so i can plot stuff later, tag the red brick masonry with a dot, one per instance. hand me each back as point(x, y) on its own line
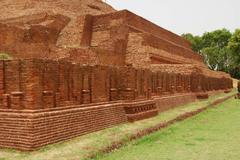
point(32, 129)
point(43, 102)
point(100, 68)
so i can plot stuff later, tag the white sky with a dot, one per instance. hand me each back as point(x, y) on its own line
point(182, 16)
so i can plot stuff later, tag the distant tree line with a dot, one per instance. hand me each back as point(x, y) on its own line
point(220, 49)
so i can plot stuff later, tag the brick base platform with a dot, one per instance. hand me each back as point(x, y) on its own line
point(227, 91)
point(168, 102)
point(72, 75)
point(29, 130)
point(140, 110)
point(202, 95)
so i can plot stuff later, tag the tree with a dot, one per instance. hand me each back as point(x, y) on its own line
point(217, 58)
point(234, 46)
point(196, 41)
point(220, 49)
point(218, 38)
point(215, 49)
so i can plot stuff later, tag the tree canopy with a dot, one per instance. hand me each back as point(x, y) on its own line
point(220, 49)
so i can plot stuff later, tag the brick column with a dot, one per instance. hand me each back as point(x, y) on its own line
point(188, 83)
point(168, 83)
point(12, 84)
point(154, 83)
point(87, 85)
point(185, 83)
point(77, 84)
point(86, 24)
point(113, 86)
point(4, 100)
point(2, 81)
point(50, 78)
point(147, 83)
point(160, 84)
point(100, 84)
point(31, 84)
point(179, 83)
point(182, 83)
point(173, 83)
point(194, 82)
point(165, 87)
point(127, 83)
point(65, 84)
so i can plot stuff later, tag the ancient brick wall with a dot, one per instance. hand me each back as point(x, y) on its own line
point(142, 52)
point(109, 40)
point(91, 71)
point(160, 43)
point(175, 68)
point(45, 101)
point(37, 84)
point(25, 10)
point(144, 25)
point(30, 130)
point(137, 41)
point(32, 35)
point(117, 38)
point(135, 53)
point(168, 102)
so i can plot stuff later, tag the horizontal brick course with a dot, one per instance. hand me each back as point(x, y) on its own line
point(49, 127)
point(94, 68)
point(49, 101)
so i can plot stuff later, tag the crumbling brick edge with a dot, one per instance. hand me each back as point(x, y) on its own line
point(144, 132)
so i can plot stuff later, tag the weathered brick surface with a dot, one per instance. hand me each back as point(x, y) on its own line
point(167, 102)
point(32, 130)
point(94, 38)
point(140, 110)
point(141, 24)
point(45, 101)
point(142, 42)
point(86, 67)
point(71, 34)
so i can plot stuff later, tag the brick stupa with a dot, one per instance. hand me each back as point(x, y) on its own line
point(79, 66)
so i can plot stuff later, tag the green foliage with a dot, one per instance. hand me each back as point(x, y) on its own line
point(220, 49)
point(196, 41)
point(5, 56)
point(218, 38)
point(234, 46)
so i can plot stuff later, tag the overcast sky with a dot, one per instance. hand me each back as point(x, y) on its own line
point(182, 16)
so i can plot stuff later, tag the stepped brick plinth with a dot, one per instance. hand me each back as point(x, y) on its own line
point(140, 110)
point(81, 66)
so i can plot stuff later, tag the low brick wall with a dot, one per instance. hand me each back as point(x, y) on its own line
point(43, 101)
point(31, 130)
point(167, 102)
point(140, 110)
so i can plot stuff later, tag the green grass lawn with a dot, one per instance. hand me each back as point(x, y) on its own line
point(211, 135)
point(81, 147)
